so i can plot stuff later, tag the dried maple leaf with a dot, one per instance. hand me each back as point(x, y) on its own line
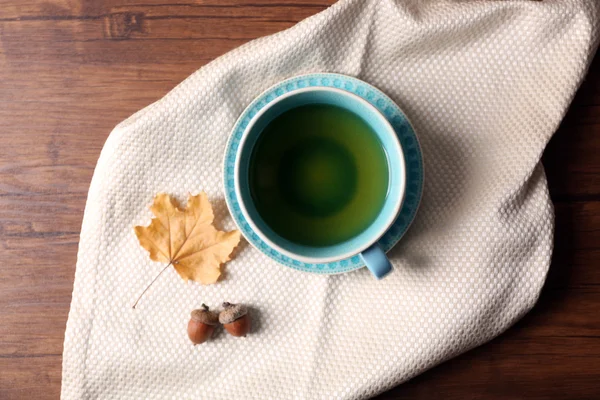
point(186, 238)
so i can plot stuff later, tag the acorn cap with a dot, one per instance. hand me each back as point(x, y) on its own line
point(205, 316)
point(232, 312)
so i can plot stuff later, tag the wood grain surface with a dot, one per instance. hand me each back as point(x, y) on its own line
point(70, 70)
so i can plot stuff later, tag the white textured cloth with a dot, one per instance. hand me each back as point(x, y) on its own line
point(485, 84)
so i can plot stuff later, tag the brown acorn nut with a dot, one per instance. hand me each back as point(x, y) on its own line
point(202, 325)
point(235, 319)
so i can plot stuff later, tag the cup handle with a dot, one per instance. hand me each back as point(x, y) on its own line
point(376, 260)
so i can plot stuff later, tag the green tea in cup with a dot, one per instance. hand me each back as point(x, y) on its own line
point(318, 175)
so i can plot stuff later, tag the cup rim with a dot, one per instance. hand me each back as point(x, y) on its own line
point(392, 215)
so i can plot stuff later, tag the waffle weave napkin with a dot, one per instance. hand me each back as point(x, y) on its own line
point(485, 84)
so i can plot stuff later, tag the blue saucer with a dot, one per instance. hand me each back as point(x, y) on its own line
point(408, 140)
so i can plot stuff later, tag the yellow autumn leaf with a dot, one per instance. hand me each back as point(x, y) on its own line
point(186, 238)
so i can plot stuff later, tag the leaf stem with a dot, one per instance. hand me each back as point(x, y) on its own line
point(151, 283)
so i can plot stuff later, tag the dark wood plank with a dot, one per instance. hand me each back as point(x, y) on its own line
point(34, 377)
point(71, 69)
point(57, 9)
point(572, 158)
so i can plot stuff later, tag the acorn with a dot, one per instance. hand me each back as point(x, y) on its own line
point(235, 319)
point(202, 325)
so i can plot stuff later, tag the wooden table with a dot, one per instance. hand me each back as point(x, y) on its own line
point(70, 70)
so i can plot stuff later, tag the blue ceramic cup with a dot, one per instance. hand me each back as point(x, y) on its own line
point(364, 244)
